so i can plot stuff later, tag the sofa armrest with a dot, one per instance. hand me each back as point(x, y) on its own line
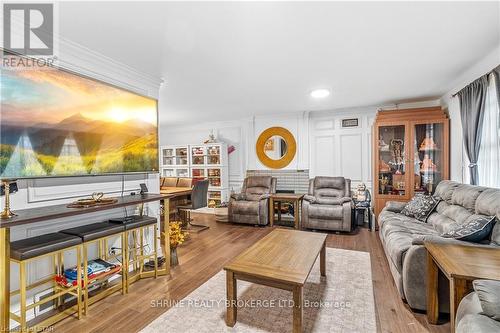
point(238, 196)
point(420, 239)
point(394, 206)
point(414, 276)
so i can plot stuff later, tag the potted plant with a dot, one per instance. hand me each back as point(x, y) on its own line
point(177, 237)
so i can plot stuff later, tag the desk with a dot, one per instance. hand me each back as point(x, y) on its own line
point(461, 265)
point(35, 215)
point(176, 191)
point(295, 199)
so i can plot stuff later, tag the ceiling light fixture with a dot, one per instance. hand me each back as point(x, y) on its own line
point(320, 93)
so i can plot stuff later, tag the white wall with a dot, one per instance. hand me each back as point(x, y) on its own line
point(458, 159)
point(51, 191)
point(323, 146)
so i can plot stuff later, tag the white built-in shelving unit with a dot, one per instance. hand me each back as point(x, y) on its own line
point(198, 162)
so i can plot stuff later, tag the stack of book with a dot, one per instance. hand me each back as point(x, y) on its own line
point(97, 269)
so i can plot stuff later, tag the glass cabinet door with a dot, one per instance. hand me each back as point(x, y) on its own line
point(214, 177)
point(181, 156)
point(198, 174)
point(213, 155)
point(392, 168)
point(168, 156)
point(428, 159)
point(168, 173)
point(182, 172)
point(197, 156)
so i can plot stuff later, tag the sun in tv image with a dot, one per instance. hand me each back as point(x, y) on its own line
point(56, 123)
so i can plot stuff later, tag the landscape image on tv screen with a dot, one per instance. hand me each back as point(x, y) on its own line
point(56, 123)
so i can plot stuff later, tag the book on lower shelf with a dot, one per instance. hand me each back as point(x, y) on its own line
point(97, 269)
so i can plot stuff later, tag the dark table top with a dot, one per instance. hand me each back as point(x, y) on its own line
point(34, 215)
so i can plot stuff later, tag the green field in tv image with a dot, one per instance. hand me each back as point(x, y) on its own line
point(55, 123)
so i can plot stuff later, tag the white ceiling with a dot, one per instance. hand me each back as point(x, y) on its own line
point(229, 60)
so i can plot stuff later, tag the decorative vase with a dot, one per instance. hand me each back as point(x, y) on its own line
point(174, 260)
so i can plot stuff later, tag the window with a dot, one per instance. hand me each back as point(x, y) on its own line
point(489, 154)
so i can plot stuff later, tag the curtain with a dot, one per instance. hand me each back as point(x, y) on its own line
point(496, 78)
point(472, 103)
point(489, 154)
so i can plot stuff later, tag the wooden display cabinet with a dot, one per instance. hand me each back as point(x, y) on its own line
point(410, 153)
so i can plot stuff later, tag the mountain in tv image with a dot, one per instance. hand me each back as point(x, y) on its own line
point(77, 145)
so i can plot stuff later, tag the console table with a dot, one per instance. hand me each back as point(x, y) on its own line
point(36, 215)
point(461, 265)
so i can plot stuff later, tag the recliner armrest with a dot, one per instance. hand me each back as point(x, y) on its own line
point(309, 198)
point(333, 201)
point(264, 196)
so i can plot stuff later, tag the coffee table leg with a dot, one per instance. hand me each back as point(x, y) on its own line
point(322, 260)
point(231, 309)
point(297, 309)
point(432, 290)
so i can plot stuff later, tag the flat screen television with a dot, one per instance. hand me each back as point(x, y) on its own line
point(57, 123)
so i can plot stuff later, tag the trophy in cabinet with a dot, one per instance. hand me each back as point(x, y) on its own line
point(397, 154)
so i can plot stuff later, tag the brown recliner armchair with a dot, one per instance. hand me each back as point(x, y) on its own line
point(328, 204)
point(251, 206)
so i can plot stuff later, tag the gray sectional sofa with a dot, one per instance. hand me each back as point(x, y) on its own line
point(403, 237)
point(479, 311)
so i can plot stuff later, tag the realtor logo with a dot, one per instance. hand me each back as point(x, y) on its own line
point(28, 29)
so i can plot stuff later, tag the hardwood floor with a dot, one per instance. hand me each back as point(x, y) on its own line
point(206, 253)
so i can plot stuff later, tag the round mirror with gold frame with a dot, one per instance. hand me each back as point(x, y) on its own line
point(276, 147)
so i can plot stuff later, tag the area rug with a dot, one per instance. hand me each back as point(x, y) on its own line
point(341, 302)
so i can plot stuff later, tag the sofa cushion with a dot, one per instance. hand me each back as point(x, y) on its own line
point(420, 207)
point(329, 187)
point(475, 229)
point(488, 292)
point(246, 207)
point(456, 213)
point(487, 203)
point(445, 189)
point(259, 181)
point(398, 235)
point(440, 222)
point(466, 195)
point(327, 212)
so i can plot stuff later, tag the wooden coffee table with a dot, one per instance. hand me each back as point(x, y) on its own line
point(461, 265)
point(283, 259)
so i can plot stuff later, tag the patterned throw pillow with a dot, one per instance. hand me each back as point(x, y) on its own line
point(421, 206)
point(475, 229)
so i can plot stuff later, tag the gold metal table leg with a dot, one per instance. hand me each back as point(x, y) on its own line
point(4, 279)
point(166, 232)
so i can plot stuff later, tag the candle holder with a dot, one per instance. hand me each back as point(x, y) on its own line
point(7, 213)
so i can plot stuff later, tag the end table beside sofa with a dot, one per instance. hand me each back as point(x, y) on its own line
point(403, 237)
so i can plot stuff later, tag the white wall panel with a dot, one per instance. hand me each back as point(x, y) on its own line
point(351, 156)
point(323, 155)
